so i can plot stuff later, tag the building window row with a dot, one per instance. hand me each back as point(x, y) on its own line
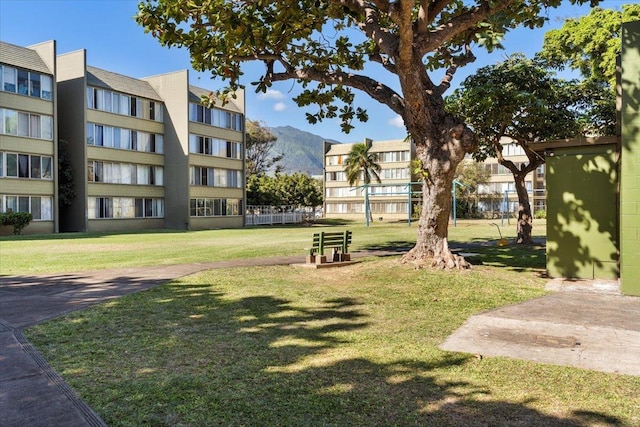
point(125, 207)
point(395, 173)
point(344, 192)
point(336, 176)
point(394, 156)
point(345, 208)
point(502, 187)
point(214, 147)
point(124, 139)
point(41, 207)
point(215, 207)
point(389, 208)
point(14, 165)
point(388, 190)
point(215, 117)
point(125, 173)
point(336, 160)
point(24, 82)
point(29, 125)
point(119, 103)
point(498, 169)
point(216, 177)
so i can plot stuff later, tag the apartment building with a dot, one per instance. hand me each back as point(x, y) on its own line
point(145, 154)
point(499, 194)
point(28, 133)
point(390, 199)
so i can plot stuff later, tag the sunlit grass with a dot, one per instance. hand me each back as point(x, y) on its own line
point(76, 252)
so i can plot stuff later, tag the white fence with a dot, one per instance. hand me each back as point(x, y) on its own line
point(270, 215)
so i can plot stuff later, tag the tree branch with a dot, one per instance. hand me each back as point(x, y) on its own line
point(376, 90)
point(433, 40)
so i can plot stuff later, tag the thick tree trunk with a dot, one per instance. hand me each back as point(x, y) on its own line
point(439, 162)
point(525, 219)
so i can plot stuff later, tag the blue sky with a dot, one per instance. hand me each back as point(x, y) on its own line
point(106, 29)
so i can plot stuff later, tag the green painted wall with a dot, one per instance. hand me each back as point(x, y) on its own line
point(582, 218)
point(630, 161)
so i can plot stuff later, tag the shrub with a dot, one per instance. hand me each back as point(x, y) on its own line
point(17, 220)
point(541, 214)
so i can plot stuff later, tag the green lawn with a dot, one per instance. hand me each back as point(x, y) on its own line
point(285, 346)
point(74, 252)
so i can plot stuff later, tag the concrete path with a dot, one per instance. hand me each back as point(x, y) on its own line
point(586, 324)
point(594, 330)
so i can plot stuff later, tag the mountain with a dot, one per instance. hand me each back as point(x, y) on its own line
point(303, 151)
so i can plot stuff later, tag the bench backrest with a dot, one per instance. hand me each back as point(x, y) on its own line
point(326, 239)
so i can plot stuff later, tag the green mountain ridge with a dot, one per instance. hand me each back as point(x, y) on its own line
point(303, 151)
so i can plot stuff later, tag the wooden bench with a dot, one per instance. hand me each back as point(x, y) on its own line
point(338, 241)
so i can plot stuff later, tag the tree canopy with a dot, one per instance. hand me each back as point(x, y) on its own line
point(591, 43)
point(361, 164)
point(298, 190)
point(518, 100)
point(333, 47)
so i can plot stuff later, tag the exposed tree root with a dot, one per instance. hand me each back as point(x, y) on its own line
point(444, 261)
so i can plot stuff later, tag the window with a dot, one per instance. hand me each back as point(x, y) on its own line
point(10, 79)
point(215, 207)
point(34, 85)
point(46, 84)
point(23, 166)
point(46, 123)
point(23, 124)
point(10, 122)
point(12, 165)
point(23, 82)
point(215, 117)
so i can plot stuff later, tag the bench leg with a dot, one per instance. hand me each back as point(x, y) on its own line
point(321, 259)
point(311, 259)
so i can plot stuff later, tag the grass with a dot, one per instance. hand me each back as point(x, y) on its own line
point(281, 346)
point(75, 252)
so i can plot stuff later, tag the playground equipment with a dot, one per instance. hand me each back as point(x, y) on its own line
point(502, 241)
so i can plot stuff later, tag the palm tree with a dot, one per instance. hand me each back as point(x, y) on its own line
point(362, 164)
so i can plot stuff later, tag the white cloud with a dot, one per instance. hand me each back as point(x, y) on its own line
point(396, 122)
point(271, 94)
point(279, 106)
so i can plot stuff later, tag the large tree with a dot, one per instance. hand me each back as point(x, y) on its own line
point(518, 100)
point(325, 44)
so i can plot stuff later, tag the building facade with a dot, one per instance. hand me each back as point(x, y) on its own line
point(28, 133)
point(391, 199)
point(499, 194)
point(146, 154)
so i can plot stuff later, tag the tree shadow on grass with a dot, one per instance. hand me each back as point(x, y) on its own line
point(522, 258)
point(189, 354)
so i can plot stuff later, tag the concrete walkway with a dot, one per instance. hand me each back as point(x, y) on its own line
point(579, 327)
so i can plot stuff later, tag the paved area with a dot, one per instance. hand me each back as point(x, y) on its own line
point(585, 325)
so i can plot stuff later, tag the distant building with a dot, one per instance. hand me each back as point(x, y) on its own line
point(500, 195)
point(28, 133)
point(389, 200)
